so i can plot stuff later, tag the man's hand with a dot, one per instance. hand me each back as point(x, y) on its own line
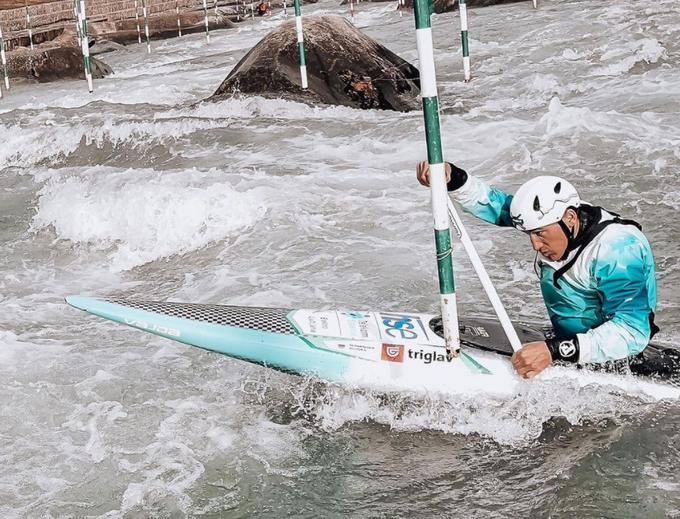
point(423, 173)
point(533, 358)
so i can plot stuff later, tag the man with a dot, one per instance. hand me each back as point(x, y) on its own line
point(597, 270)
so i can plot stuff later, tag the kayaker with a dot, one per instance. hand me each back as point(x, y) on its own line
point(596, 270)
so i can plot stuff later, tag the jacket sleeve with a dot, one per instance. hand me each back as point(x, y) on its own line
point(486, 203)
point(622, 271)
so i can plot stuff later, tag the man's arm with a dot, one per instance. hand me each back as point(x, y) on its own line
point(479, 199)
point(475, 196)
point(621, 270)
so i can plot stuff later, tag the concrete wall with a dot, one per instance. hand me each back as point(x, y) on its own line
point(57, 13)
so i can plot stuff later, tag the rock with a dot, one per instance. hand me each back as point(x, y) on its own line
point(445, 6)
point(51, 64)
point(102, 47)
point(344, 67)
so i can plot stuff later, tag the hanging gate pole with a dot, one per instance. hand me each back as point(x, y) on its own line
point(179, 23)
point(139, 31)
point(301, 44)
point(3, 59)
point(146, 26)
point(85, 44)
point(29, 27)
point(464, 37)
point(442, 233)
point(205, 15)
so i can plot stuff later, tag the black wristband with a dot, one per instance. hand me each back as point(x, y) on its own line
point(458, 178)
point(566, 350)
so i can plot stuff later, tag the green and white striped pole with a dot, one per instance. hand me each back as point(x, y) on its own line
point(301, 44)
point(205, 16)
point(3, 59)
point(179, 22)
point(139, 30)
point(85, 45)
point(285, 9)
point(29, 27)
point(145, 14)
point(442, 233)
point(464, 37)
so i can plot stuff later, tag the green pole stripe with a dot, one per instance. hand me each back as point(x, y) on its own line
point(301, 52)
point(466, 49)
point(422, 11)
point(442, 239)
point(297, 7)
point(432, 131)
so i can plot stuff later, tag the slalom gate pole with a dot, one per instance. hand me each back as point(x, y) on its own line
point(139, 31)
point(351, 9)
point(285, 9)
point(205, 15)
point(252, 11)
point(400, 6)
point(179, 22)
point(29, 27)
point(464, 37)
point(76, 9)
point(439, 195)
point(146, 26)
point(85, 45)
point(535, 4)
point(301, 43)
point(3, 60)
point(484, 278)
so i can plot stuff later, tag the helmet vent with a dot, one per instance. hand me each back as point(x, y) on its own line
point(558, 188)
point(537, 204)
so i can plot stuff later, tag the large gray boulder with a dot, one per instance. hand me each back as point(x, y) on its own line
point(344, 67)
point(51, 64)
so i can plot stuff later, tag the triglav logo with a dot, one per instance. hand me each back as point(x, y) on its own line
point(392, 352)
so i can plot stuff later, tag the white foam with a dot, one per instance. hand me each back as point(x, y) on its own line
point(138, 222)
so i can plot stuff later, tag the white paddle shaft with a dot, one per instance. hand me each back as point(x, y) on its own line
point(485, 279)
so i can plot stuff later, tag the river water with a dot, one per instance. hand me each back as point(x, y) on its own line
point(141, 191)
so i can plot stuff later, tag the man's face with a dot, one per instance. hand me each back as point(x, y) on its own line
point(549, 241)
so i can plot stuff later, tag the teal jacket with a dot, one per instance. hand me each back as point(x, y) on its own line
point(605, 299)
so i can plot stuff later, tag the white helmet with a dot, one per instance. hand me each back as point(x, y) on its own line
point(542, 201)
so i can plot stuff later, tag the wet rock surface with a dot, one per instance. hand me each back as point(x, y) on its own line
point(344, 67)
point(51, 64)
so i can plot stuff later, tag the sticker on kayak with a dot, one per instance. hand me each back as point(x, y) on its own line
point(383, 327)
point(349, 325)
point(403, 327)
point(392, 352)
point(361, 350)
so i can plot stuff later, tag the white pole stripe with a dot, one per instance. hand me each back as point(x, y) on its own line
point(463, 17)
point(440, 199)
point(428, 82)
point(298, 27)
point(4, 60)
point(303, 73)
